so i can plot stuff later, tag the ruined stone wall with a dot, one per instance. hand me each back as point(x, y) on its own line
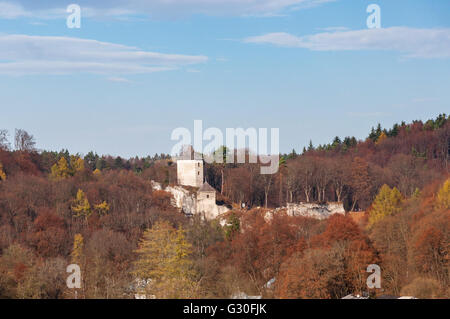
point(319, 211)
point(206, 205)
point(207, 196)
point(191, 203)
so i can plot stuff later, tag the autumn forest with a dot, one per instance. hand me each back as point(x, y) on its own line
point(102, 213)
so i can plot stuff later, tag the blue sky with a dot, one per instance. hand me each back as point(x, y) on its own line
point(136, 70)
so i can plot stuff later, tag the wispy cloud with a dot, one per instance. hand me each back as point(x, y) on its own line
point(38, 23)
point(121, 8)
point(25, 54)
point(425, 99)
point(9, 10)
point(39, 10)
point(118, 79)
point(411, 42)
point(333, 29)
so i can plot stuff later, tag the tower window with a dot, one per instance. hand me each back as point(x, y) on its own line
point(207, 196)
point(198, 173)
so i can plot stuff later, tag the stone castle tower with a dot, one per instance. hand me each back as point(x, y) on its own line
point(190, 173)
point(206, 201)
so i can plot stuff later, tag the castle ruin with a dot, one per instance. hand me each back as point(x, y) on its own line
point(190, 173)
point(203, 202)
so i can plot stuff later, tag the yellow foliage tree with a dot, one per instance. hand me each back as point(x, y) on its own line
point(97, 172)
point(77, 164)
point(163, 262)
point(81, 206)
point(102, 208)
point(77, 251)
point(443, 196)
point(60, 170)
point(2, 173)
point(387, 202)
point(381, 138)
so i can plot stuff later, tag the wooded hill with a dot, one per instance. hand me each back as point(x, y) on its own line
point(101, 212)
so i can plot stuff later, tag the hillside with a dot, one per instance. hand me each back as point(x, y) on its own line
point(101, 212)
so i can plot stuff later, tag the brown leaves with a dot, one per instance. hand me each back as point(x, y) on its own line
point(49, 236)
point(333, 267)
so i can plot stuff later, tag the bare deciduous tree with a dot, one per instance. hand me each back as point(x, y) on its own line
point(24, 141)
point(4, 144)
point(306, 173)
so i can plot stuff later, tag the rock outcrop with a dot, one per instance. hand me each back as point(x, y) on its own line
point(192, 203)
point(319, 211)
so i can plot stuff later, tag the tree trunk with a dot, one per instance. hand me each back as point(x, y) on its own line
point(221, 186)
point(265, 199)
point(353, 206)
point(338, 194)
point(281, 191)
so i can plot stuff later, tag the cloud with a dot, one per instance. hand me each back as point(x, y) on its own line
point(424, 99)
point(333, 29)
point(412, 42)
point(38, 23)
point(120, 8)
point(25, 54)
point(118, 79)
point(12, 11)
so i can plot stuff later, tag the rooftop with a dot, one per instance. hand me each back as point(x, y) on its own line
point(206, 188)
